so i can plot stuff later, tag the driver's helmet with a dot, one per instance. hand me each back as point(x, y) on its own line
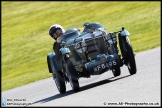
point(56, 31)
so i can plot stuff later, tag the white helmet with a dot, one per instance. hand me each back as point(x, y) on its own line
point(54, 28)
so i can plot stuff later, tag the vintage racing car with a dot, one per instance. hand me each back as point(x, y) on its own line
point(90, 52)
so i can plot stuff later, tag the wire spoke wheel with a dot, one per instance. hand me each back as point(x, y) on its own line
point(58, 78)
point(71, 73)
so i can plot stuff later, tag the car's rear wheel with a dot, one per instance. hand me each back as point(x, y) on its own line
point(116, 72)
point(72, 75)
point(58, 78)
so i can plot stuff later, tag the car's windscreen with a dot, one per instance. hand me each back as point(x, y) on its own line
point(70, 35)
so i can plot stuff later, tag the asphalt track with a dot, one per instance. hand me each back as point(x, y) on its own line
point(141, 89)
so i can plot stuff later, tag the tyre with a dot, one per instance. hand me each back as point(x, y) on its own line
point(128, 55)
point(58, 78)
point(131, 59)
point(72, 75)
point(116, 72)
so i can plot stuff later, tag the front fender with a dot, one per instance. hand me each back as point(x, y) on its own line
point(124, 33)
point(64, 51)
point(51, 56)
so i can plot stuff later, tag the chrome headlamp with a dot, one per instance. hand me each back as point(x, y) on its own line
point(81, 47)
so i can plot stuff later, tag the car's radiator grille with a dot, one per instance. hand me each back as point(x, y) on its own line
point(96, 46)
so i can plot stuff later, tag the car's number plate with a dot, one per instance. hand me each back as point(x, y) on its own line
point(104, 65)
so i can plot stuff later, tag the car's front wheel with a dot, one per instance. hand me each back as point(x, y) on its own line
point(128, 54)
point(131, 63)
point(72, 75)
point(58, 78)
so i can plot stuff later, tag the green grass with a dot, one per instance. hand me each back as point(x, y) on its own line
point(25, 25)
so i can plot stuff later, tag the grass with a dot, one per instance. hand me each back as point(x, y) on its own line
point(25, 25)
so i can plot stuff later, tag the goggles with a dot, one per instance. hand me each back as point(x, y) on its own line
point(58, 31)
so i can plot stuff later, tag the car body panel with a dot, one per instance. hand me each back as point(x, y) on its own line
point(96, 43)
point(110, 61)
point(55, 64)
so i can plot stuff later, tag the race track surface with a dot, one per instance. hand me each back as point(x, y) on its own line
point(141, 89)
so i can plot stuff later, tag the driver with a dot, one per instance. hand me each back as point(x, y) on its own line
point(56, 31)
